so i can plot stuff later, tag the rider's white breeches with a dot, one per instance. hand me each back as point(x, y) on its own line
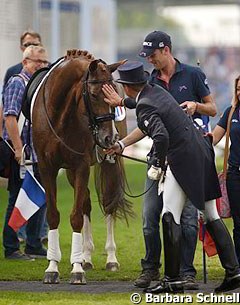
point(174, 200)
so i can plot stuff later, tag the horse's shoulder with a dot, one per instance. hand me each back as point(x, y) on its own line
point(77, 53)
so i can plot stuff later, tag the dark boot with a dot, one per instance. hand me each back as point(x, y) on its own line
point(172, 234)
point(226, 253)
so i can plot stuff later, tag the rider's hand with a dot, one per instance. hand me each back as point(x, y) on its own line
point(155, 173)
point(111, 96)
point(117, 148)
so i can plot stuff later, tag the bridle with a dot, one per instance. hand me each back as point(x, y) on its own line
point(94, 120)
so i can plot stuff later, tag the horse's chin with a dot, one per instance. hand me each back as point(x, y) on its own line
point(106, 146)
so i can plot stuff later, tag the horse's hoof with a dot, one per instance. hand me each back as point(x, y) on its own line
point(87, 266)
point(51, 278)
point(78, 278)
point(112, 267)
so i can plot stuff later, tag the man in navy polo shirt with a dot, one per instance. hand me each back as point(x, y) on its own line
point(188, 85)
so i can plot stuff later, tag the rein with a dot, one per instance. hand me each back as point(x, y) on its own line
point(141, 161)
point(51, 126)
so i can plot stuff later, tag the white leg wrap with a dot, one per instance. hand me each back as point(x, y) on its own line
point(77, 248)
point(53, 267)
point(77, 268)
point(53, 252)
point(88, 246)
point(110, 246)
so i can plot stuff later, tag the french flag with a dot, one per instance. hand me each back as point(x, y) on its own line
point(31, 198)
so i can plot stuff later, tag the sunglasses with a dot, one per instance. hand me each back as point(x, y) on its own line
point(27, 44)
point(39, 61)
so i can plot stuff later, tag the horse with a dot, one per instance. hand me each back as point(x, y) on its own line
point(69, 120)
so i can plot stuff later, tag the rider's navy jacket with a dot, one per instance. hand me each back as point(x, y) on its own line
point(190, 157)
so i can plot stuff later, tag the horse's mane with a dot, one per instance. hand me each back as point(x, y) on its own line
point(77, 53)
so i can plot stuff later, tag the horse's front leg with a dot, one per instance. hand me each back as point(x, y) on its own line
point(80, 190)
point(54, 257)
point(53, 217)
point(110, 247)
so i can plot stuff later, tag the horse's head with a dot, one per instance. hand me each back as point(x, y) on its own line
point(101, 115)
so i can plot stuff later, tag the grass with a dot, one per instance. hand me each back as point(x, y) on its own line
point(130, 249)
point(12, 298)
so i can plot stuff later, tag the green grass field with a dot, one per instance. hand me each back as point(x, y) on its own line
point(129, 240)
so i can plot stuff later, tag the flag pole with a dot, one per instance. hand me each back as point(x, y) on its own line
point(204, 255)
point(203, 234)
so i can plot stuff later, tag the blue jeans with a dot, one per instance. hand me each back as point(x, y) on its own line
point(152, 208)
point(233, 189)
point(189, 224)
point(43, 232)
point(10, 239)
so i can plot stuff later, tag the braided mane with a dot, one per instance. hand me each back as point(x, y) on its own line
point(77, 53)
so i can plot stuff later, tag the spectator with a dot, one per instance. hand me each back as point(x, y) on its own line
point(191, 173)
point(1, 119)
point(34, 58)
point(233, 172)
point(27, 38)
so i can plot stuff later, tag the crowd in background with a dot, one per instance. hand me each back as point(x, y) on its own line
point(221, 65)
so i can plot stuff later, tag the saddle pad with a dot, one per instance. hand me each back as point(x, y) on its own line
point(40, 84)
point(30, 89)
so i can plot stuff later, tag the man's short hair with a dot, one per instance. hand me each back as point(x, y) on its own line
point(31, 33)
point(32, 50)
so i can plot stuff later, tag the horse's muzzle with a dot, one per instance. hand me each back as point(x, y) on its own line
point(107, 141)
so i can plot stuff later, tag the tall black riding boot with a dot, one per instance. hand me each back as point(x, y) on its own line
point(172, 235)
point(226, 253)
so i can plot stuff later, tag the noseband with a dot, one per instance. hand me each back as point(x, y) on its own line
point(94, 120)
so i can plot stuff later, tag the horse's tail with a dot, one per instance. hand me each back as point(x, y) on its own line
point(110, 182)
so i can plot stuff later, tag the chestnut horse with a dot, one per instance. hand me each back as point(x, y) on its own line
point(69, 118)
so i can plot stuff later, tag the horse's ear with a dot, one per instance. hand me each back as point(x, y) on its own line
point(93, 65)
point(114, 67)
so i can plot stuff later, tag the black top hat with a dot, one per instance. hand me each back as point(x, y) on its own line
point(132, 72)
point(155, 40)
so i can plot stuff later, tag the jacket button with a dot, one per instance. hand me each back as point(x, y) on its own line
point(186, 128)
